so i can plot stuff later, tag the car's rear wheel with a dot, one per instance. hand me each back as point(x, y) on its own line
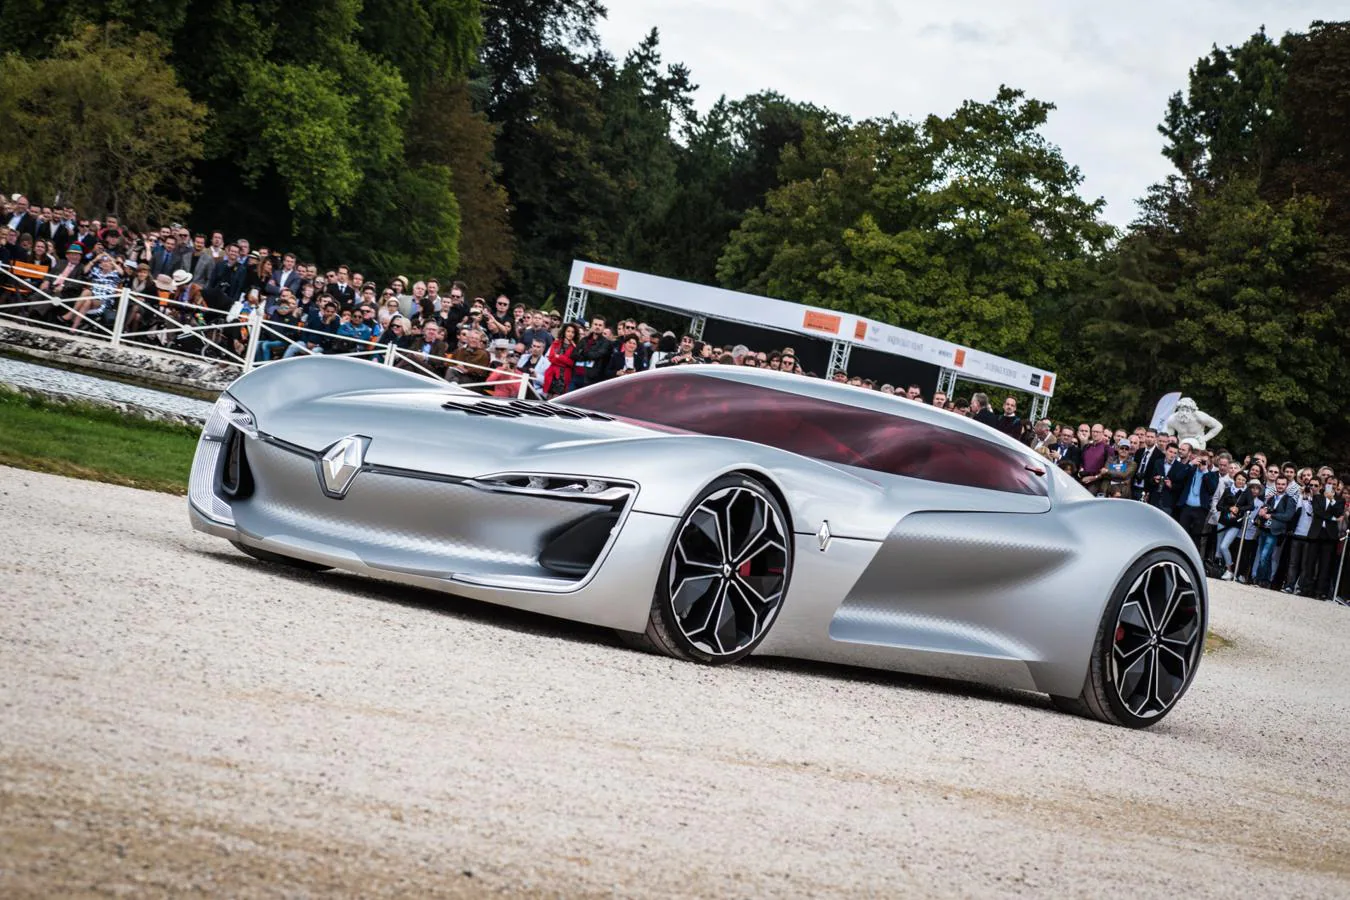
point(269, 556)
point(1148, 645)
point(725, 575)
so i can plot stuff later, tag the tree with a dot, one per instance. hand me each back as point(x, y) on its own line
point(309, 104)
point(967, 227)
point(728, 161)
point(448, 132)
point(522, 39)
point(1234, 285)
point(103, 124)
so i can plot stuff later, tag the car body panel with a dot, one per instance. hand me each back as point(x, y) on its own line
point(890, 571)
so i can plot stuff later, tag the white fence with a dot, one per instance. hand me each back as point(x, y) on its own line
point(200, 332)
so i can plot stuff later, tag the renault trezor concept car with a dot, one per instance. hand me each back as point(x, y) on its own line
point(710, 512)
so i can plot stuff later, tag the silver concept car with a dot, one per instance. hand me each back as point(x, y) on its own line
point(710, 512)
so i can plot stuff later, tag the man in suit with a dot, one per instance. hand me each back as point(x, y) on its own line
point(227, 280)
point(1042, 436)
point(1276, 520)
point(981, 412)
point(340, 288)
point(1194, 498)
point(165, 258)
point(1163, 469)
point(22, 219)
point(1143, 462)
point(285, 278)
point(1319, 562)
point(51, 229)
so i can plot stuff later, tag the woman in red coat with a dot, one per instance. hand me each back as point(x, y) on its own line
point(561, 362)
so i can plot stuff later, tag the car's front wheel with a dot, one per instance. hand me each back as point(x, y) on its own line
point(725, 575)
point(1148, 645)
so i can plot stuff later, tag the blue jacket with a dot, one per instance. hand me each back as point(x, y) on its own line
point(1284, 513)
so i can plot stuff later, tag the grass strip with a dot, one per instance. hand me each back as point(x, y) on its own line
point(94, 443)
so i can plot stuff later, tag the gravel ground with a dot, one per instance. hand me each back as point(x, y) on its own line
point(176, 717)
point(48, 380)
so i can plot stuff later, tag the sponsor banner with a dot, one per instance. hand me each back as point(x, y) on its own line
point(971, 364)
point(604, 279)
point(823, 322)
point(992, 369)
point(794, 318)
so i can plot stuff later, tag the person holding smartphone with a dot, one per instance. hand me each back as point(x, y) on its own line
point(628, 358)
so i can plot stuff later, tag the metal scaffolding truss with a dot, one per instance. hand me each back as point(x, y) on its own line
point(576, 305)
point(1040, 407)
point(839, 352)
point(947, 382)
point(696, 327)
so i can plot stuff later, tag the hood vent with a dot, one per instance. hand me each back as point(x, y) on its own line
point(518, 409)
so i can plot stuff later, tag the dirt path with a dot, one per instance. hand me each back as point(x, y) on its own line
point(177, 717)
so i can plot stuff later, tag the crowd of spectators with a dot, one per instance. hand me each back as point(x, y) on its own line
point(1276, 526)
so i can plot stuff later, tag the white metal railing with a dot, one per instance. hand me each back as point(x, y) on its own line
point(173, 326)
point(387, 353)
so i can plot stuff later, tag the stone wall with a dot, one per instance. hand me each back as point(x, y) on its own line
point(200, 377)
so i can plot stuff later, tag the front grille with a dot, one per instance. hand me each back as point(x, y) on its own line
point(517, 409)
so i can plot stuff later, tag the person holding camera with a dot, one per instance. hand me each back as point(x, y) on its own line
point(1275, 519)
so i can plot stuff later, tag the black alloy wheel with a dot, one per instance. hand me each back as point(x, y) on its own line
point(725, 576)
point(1148, 647)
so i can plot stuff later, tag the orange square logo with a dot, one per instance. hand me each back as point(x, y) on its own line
point(819, 321)
point(601, 278)
point(1046, 381)
point(860, 330)
point(960, 358)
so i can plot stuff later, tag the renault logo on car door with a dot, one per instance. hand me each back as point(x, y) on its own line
point(340, 463)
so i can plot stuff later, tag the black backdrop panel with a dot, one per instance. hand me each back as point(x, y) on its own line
point(883, 368)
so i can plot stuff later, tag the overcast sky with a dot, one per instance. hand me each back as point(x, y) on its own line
point(1108, 67)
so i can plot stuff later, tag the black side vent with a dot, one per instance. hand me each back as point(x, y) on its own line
point(236, 478)
point(517, 409)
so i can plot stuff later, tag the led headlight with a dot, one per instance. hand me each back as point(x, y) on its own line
point(226, 412)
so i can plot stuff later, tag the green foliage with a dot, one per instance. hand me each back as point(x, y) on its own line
point(450, 133)
point(1231, 116)
point(305, 134)
point(424, 39)
point(418, 204)
point(103, 123)
point(1235, 284)
point(96, 443)
point(967, 227)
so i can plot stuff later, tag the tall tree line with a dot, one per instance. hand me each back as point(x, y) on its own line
point(497, 139)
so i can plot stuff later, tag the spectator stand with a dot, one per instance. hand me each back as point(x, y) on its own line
point(157, 323)
point(153, 321)
point(465, 374)
point(844, 332)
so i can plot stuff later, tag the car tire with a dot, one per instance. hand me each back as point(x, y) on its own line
point(725, 575)
point(269, 556)
point(1148, 645)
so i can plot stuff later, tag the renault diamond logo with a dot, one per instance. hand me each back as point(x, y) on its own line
point(340, 464)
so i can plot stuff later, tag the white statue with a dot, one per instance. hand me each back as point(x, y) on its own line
point(1191, 426)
